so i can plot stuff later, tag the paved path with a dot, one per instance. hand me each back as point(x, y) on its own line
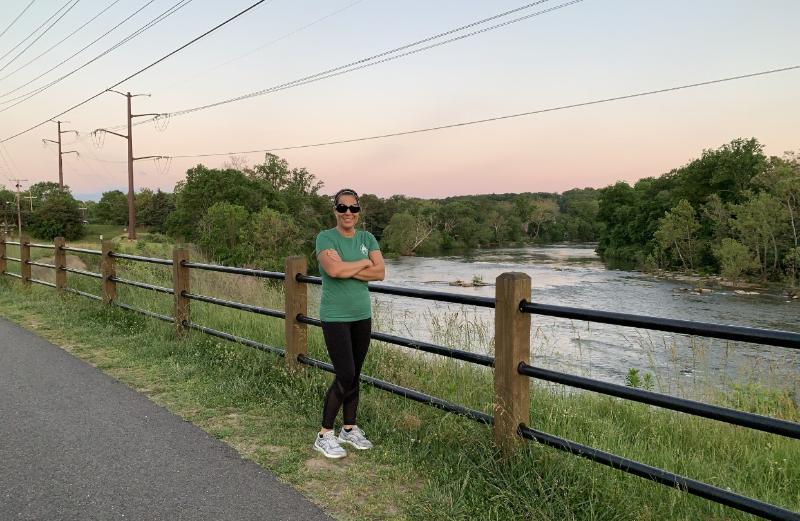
point(76, 444)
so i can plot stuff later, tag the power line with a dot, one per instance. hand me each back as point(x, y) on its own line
point(369, 61)
point(20, 53)
point(37, 29)
point(17, 18)
point(386, 56)
point(179, 5)
point(507, 116)
point(73, 55)
point(60, 42)
point(87, 100)
point(271, 42)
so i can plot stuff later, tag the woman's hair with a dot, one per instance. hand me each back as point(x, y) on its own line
point(345, 191)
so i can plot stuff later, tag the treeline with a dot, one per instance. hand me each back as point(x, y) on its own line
point(732, 211)
point(258, 215)
point(56, 213)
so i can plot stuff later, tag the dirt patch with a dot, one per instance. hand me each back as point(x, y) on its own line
point(322, 465)
point(48, 274)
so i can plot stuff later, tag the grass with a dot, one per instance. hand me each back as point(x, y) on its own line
point(426, 464)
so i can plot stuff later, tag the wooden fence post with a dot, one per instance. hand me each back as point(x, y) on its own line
point(25, 257)
point(180, 283)
point(60, 262)
point(108, 270)
point(3, 264)
point(296, 303)
point(512, 346)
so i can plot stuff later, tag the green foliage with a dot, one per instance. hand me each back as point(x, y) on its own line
point(681, 218)
point(273, 237)
point(153, 209)
point(677, 233)
point(734, 258)
point(44, 189)
point(400, 235)
point(220, 233)
point(792, 263)
point(112, 208)
point(637, 381)
point(759, 222)
point(57, 216)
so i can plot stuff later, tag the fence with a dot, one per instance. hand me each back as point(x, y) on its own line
point(511, 363)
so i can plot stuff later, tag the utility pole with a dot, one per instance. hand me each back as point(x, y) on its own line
point(31, 197)
point(131, 159)
point(5, 217)
point(19, 211)
point(60, 153)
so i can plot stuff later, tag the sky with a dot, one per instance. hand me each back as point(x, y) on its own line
point(591, 49)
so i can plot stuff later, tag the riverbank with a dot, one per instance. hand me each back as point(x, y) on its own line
point(427, 464)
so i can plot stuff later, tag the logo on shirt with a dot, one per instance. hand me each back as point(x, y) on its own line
point(364, 249)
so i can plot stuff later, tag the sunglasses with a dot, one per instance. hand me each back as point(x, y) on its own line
point(342, 208)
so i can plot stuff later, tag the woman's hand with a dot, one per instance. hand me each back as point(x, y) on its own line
point(334, 266)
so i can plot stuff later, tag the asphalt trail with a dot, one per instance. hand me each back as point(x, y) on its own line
point(76, 444)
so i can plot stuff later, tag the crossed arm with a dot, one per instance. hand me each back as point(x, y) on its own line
point(366, 270)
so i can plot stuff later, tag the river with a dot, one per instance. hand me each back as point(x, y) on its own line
point(573, 275)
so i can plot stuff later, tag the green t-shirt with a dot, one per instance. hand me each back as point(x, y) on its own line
point(345, 300)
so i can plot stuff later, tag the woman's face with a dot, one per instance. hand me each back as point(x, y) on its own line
point(346, 220)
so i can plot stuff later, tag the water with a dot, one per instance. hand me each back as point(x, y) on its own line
point(572, 275)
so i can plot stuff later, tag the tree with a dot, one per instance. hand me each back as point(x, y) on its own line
point(677, 233)
point(58, 216)
point(543, 211)
point(204, 187)
point(44, 189)
point(734, 259)
point(153, 209)
point(406, 233)
point(273, 236)
point(112, 208)
point(782, 179)
point(758, 222)
point(220, 233)
point(792, 263)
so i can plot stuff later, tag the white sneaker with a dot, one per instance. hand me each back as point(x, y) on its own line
point(355, 437)
point(329, 446)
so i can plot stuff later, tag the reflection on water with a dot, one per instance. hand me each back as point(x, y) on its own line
point(572, 275)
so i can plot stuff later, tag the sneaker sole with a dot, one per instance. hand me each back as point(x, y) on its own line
point(329, 456)
point(353, 444)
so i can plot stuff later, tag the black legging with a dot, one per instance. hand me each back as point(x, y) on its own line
point(347, 344)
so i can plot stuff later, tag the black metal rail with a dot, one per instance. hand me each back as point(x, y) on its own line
point(405, 392)
point(81, 250)
point(237, 271)
point(42, 265)
point(742, 334)
point(663, 477)
point(43, 246)
point(233, 338)
point(151, 260)
point(737, 333)
point(83, 294)
point(440, 296)
point(235, 305)
point(732, 416)
point(427, 347)
point(43, 283)
point(82, 272)
point(137, 284)
point(144, 312)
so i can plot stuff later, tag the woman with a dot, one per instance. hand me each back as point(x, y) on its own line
point(348, 259)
